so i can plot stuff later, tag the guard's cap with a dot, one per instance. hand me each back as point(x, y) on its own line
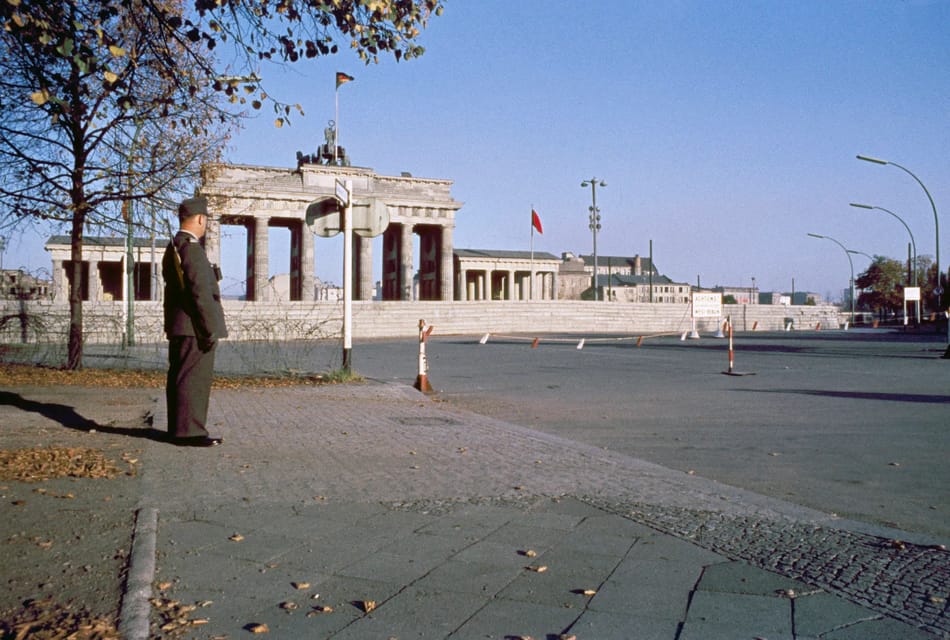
point(193, 207)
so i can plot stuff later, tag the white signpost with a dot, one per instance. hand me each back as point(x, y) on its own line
point(329, 215)
point(911, 294)
point(704, 305)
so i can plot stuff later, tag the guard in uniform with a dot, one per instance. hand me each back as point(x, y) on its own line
point(194, 322)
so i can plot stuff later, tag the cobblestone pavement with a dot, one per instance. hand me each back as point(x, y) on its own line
point(356, 446)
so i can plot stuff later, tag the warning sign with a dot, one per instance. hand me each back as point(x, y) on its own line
point(707, 305)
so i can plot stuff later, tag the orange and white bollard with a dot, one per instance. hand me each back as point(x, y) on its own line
point(422, 380)
point(732, 353)
point(731, 371)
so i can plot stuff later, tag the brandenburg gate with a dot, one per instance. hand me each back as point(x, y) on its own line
point(258, 198)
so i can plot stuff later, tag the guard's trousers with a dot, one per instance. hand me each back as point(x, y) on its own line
point(188, 387)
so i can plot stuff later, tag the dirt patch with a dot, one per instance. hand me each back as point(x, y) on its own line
point(68, 492)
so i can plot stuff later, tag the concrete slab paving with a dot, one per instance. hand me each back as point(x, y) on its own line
point(719, 615)
point(605, 625)
point(511, 619)
point(443, 553)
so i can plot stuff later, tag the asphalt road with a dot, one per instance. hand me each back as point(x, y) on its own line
point(853, 423)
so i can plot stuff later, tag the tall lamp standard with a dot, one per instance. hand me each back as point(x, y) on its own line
point(913, 244)
point(850, 262)
point(594, 221)
point(861, 253)
point(938, 289)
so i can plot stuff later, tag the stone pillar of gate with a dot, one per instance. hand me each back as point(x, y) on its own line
point(391, 241)
point(446, 272)
point(511, 286)
point(363, 267)
point(307, 293)
point(213, 239)
point(258, 260)
point(405, 262)
point(297, 231)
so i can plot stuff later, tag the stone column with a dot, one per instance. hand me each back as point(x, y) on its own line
point(261, 258)
point(213, 240)
point(95, 286)
point(511, 285)
point(463, 285)
point(447, 266)
point(405, 262)
point(307, 266)
point(60, 291)
point(364, 253)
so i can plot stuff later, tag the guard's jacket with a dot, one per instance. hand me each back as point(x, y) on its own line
point(192, 298)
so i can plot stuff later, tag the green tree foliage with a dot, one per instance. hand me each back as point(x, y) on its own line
point(882, 285)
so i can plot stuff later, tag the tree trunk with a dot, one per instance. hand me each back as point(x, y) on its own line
point(74, 348)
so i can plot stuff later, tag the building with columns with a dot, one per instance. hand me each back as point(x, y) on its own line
point(258, 198)
point(104, 272)
point(483, 274)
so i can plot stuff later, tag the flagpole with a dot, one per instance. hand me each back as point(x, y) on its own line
point(531, 288)
point(336, 127)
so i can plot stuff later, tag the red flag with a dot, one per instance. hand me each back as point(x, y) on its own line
point(536, 221)
point(342, 78)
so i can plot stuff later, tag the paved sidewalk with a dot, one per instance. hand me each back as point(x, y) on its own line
point(452, 525)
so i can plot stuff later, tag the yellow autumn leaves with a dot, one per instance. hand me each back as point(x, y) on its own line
point(41, 97)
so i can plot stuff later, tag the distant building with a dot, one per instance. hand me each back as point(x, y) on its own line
point(630, 288)
point(620, 265)
point(573, 278)
point(278, 290)
point(17, 284)
point(774, 297)
point(103, 267)
point(739, 295)
point(806, 297)
point(486, 274)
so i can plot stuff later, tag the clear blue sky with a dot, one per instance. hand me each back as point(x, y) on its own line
point(726, 131)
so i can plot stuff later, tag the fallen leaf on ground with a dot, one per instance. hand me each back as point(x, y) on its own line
point(257, 628)
point(237, 537)
point(366, 605)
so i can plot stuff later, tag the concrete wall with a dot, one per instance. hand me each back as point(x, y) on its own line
point(105, 322)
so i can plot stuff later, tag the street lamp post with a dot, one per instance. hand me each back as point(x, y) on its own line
point(850, 263)
point(861, 253)
point(938, 289)
point(594, 221)
point(913, 244)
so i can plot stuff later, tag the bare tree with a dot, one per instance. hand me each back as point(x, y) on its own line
point(82, 136)
point(105, 102)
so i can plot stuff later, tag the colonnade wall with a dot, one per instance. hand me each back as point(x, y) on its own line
point(33, 321)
